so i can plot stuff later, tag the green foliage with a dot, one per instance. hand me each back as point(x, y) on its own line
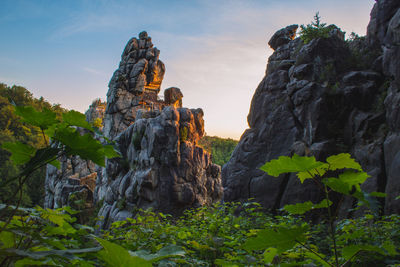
point(21, 153)
point(229, 234)
point(280, 238)
point(52, 238)
point(314, 30)
point(12, 129)
point(291, 164)
point(183, 134)
point(340, 174)
point(115, 255)
point(65, 139)
point(301, 208)
point(98, 122)
point(137, 139)
point(220, 148)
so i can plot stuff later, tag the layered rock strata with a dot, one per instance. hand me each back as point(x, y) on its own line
point(322, 98)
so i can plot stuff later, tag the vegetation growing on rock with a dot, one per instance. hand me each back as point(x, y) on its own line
point(220, 148)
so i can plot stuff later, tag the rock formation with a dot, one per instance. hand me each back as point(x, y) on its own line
point(322, 98)
point(161, 165)
point(95, 113)
point(76, 179)
point(134, 85)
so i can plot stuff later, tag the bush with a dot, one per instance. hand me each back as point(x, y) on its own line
point(315, 30)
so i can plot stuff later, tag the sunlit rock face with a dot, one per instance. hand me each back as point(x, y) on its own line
point(95, 113)
point(323, 98)
point(134, 85)
point(160, 166)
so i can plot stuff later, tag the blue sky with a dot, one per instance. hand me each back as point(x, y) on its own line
point(214, 50)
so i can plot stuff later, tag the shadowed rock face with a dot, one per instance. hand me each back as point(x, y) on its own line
point(326, 97)
point(76, 179)
point(161, 167)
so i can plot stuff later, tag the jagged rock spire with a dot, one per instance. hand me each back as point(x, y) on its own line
point(135, 84)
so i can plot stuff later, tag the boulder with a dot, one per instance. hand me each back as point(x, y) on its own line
point(283, 36)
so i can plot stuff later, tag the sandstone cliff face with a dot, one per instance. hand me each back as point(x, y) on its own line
point(161, 165)
point(134, 85)
point(323, 98)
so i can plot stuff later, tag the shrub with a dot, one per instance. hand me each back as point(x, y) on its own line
point(314, 30)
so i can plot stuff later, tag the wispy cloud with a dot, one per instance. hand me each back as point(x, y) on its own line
point(93, 71)
point(87, 23)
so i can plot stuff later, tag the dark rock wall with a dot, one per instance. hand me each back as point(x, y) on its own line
point(322, 98)
point(161, 167)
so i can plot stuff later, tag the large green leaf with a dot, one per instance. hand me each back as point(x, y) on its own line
point(282, 239)
point(59, 218)
point(7, 239)
point(319, 171)
point(378, 194)
point(353, 178)
point(166, 252)
point(20, 153)
point(75, 118)
point(115, 255)
point(83, 145)
point(350, 251)
point(66, 253)
point(342, 161)
point(30, 262)
point(318, 259)
point(301, 208)
point(110, 151)
point(42, 119)
point(269, 254)
point(286, 164)
point(43, 155)
point(338, 185)
point(347, 183)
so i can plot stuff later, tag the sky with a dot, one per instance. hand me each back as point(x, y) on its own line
point(215, 51)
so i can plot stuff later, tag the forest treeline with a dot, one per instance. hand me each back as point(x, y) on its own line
point(220, 148)
point(12, 129)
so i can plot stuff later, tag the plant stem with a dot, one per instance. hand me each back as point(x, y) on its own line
point(21, 182)
point(332, 226)
point(313, 252)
